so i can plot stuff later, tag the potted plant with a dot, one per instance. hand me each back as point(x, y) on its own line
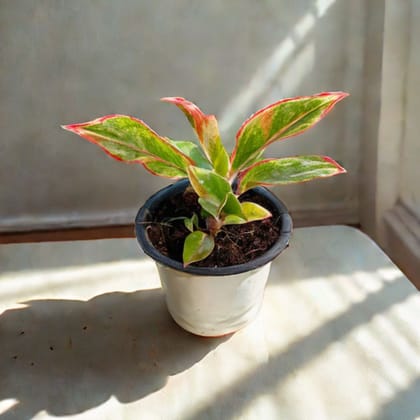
point(214, 233)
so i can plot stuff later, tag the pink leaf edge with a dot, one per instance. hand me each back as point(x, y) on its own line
point(195, 115)
point(340, 96)
point(187, 106)
point(90, 137)
point(340, 169)
point(78, 129)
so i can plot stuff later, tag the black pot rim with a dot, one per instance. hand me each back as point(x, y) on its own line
point(283, 217)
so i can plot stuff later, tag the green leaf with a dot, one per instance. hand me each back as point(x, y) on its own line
point(210, 206)
point(131, 140)
point(233, 206)
point(211, 188)
point(160, 168)
point(288, 170)
point(197, 246)
point(253, 211)
point(207, 132)
point(283, 119)
point(232, 219)
point(191, 150)
point(191, 222)
point(250, 213)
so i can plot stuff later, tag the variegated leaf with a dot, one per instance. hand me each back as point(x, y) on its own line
point(288, 170)
point(210, 206)
point(197, 246)
point(211, 188)
point(233, 206)
point(253, 211)
point(232, 219)
point(207, 132)
point(191, 223)
point(249, 211)
point(194, 152)
point(162, 168)
point(131, 140)
point(283, 119)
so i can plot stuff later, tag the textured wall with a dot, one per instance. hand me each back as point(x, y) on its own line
point(64, 62)
point(410, 168)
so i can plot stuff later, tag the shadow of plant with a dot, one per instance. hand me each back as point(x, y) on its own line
point(67, 356)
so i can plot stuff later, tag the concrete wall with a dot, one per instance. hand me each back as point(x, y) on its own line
point(410, 167)
point(71, 61)
point(397, 210)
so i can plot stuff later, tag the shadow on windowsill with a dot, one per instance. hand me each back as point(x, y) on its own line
point(67, 356)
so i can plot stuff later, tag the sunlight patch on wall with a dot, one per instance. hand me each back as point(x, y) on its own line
point(268, 73)
point(322, 6)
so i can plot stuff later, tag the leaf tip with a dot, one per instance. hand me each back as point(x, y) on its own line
point(172, 99)
point(73, 128)
point(338, 94)
point(341, 95)
point(340, 169)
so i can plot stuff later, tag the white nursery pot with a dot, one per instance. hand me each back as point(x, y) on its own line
point(212, 306)
point(213, 301)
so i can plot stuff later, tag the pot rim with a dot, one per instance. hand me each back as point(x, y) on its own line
point(283, 219)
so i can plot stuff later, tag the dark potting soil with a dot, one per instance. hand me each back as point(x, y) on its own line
point(234, 244)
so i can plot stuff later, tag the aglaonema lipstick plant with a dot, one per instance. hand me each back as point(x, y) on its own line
point(217, 177)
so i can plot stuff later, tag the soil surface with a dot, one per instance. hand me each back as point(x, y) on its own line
point(234, 244)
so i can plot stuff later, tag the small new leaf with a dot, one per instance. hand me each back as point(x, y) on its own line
point(191, 222)
point(197, 246)
point(233, 206)
point(211, 207)
point(250, 213)
point(253, 211)
point(212, 189)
